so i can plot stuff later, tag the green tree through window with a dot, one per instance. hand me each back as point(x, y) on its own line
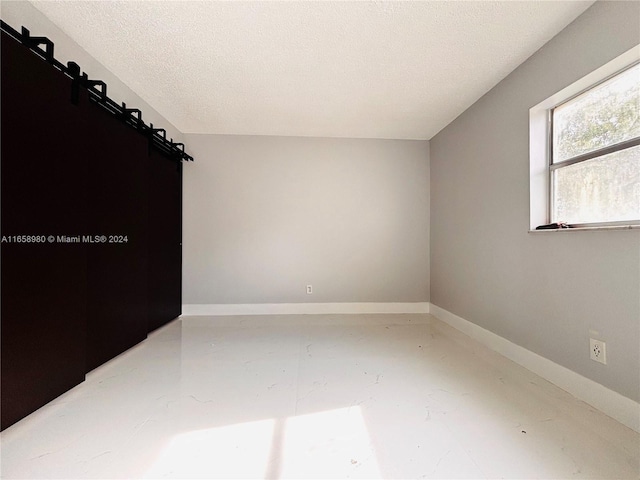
point(596, 153)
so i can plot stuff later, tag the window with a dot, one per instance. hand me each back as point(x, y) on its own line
point(595, 154)
point(585, 150)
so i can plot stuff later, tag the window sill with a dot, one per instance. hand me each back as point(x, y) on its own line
point(590, 229)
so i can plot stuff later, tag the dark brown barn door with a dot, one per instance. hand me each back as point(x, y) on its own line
point(91, 228)
point(44, 193)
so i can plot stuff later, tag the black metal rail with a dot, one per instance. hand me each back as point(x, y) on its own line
point(97, 90)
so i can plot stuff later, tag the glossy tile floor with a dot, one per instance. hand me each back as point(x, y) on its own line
point(342, 396)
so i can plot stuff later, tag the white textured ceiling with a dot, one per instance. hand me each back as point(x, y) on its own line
point(339, 69)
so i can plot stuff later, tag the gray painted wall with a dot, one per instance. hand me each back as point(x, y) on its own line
point(543, 291)
point(265, 216)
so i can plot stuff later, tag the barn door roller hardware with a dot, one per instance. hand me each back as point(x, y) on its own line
point(97, 90)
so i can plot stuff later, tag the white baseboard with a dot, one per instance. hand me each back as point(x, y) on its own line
point(619, 407)
point(303, 308)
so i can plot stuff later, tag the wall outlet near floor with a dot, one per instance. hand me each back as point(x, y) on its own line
point(309, 289)
point(598, 350)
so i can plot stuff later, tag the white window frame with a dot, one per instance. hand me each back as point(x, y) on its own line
point(540, 140)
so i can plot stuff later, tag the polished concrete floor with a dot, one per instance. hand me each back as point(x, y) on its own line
point(326, 396)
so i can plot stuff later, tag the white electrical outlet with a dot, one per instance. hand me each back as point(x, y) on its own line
point(598, 351)
point(309, 289)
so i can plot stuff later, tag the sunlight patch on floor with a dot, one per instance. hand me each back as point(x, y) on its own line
point(332, 444)
point(234, 451)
